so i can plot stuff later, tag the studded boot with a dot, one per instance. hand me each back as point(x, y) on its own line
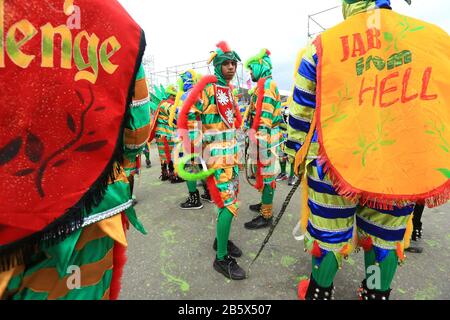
point(316, 292)
point(193, 202)
point(366, 294)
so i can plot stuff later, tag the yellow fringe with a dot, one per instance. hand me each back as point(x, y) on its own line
point(173, 111)
point(303, 152)
point(245, 117)
point(305, 212)
point(409, 232)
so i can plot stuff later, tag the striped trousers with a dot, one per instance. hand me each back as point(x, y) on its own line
point(165, 148)
point(335, 222)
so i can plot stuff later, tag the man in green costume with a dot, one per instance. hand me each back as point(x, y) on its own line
point(265, 119)
point(212, 104)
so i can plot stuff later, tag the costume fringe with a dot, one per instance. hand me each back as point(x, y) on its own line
point(432, 199)
point(167, 150)
point(173, 111)
point(238, 121)
point(119, 262)
point(214, 192)
point(409, 232)
point(256, 122)
point(20, 252)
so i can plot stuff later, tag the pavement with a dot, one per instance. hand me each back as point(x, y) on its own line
point(174, 261)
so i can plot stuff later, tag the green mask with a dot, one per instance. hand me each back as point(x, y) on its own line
point(261, 65)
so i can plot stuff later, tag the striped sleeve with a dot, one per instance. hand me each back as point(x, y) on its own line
point(271, 116)
point(137, 128)
point(303, 105)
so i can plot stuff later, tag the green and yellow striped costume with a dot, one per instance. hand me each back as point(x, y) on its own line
point(220, 149)
point(333, 225)
point(138, 127)
point(269, 134)
point(164, 132)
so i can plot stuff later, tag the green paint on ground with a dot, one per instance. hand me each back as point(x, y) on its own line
point(164, 253)
point(430, 293)
point(184, 286)
point(432, 243)
point(288, 261)
point(252, 255)
point(301, 278)
point(169, 236)
point(401, 291)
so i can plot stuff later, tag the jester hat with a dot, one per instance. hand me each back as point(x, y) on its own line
point(171, 90)
point(223, 53)
point(261, 64)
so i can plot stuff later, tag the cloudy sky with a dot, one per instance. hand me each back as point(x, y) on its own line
point(180, 31)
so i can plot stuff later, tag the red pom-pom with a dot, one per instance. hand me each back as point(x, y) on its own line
point(366, 244)
point(222, 45)
point(268, 52)
point(303, 289)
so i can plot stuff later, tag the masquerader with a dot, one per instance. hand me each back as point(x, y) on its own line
point(63, 235)
point(212, 104)
point(186, 82)
point(265, 119)
point(366, 96)
point(165, 134)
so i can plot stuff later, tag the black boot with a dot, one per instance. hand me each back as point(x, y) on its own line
point(233, 250)
point(417, 223)
point(193, 202)
point(416, 237)
point(316, 292)
point(207, 196)
point(256, 208)
point(259, 223)
point(148, 163)
point(367, 294)
point(174, 179)
point(164, 173)
point(229, 268)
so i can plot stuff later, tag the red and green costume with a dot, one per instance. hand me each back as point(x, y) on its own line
point(212, 105)
point(265, 134)
point(164, 133)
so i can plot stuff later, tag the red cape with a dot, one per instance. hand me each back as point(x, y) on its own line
point(61, 133)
